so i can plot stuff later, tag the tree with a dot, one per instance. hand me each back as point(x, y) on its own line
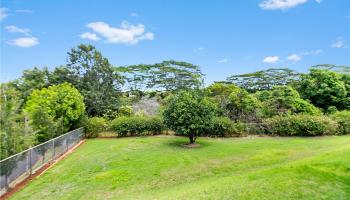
point(243, 106)
point(31, 79)
point(219, 92)
point(265, 79)
point(15, 136)
point(54, 110)
point(336, 68)
point(284, 100)
point(174, 75)
point(325, 89)
point(188, 113)
point(166, 76)
point(96, 79)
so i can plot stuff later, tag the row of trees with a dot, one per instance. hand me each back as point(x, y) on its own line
point(44, 103)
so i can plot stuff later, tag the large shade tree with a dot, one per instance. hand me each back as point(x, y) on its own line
point(165, 76)
point(95, 78)
point(264, 79)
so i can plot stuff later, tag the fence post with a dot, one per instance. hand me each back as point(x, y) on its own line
point(66, 144)
point(53, 149)
point(30, 162)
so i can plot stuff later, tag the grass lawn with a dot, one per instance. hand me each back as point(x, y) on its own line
point(232, 168)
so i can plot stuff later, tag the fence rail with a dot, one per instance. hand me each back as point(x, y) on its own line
point(18, 167)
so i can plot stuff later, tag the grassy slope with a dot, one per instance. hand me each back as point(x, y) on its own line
point(237, 168)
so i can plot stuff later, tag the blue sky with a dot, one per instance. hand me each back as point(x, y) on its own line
point(223, 37)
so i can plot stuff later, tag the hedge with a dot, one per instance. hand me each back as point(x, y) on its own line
point(137, 125)
point(301, 125)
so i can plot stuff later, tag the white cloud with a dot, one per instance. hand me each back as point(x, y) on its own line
point(318, 1)
point(126, 33)
point(271, 59)
point(294, 58)
point(340, 43)
point(24, 11)
point(280, 4)
point(3, 13)
point(89, 36)
point(15, 29)
point(134, 14)
point(25, 42)
point(225, 60)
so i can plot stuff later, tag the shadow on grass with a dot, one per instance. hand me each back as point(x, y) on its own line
point(179, 142)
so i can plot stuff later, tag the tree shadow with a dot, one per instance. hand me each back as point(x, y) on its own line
point(179, 143)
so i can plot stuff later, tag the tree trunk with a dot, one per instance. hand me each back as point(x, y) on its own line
point(191, 136)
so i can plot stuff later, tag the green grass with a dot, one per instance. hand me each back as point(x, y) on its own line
point(232, 168)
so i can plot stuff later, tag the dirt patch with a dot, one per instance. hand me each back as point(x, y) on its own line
point(191, 145)
point(39, 172)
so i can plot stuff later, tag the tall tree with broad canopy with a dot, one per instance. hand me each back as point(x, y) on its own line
point(165, 76)
point(96, 79)
point(188, 113)
point(265, 79)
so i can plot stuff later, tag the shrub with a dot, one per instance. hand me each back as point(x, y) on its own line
point(284, 100)
point(188, 113)
point(94, 126)
point(301, 125)
point(137, 125)
point(224, 127)
point(60, 106)
point(343, 120)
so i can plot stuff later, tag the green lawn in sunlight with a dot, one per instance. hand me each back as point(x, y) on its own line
point(226, 168)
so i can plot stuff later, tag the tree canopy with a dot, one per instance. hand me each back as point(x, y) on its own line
point(165, 76)
point(188, 113)
point(325, 89)
point(265, 79)
point(53, 108)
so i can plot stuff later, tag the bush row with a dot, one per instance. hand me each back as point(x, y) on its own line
point(301, 125)
point(291, 125)
point(137, 125)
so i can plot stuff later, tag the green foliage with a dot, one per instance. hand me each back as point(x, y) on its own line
point(284, 100)
point(265, 79)
point(324, 88)
point(96, 79)
point(343, 119)
point(168, 75)
point(137, 126)
point(94, 126)
point(125, 111)
point(54, 110)
point(31, 79)
point(301, 125)
point(15, 135)
point(224, 127)
point(243, 106)
point(188, 113)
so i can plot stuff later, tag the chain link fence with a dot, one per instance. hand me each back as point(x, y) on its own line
point(18, 167)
